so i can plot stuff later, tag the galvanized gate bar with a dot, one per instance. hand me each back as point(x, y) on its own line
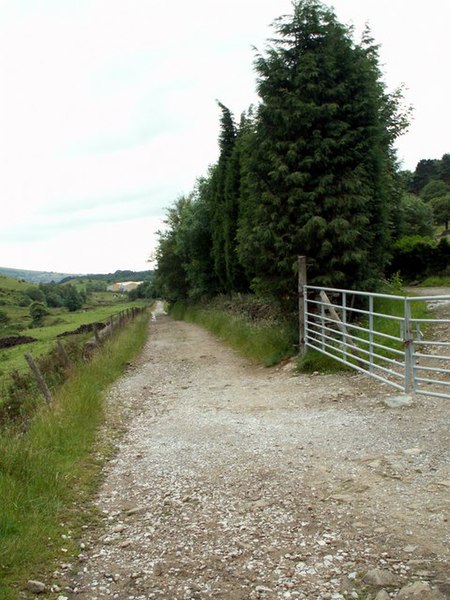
point(330, 329)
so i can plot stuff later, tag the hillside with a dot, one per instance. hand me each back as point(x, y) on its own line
point(51, 276)
point(117, 276)
point(35, 276)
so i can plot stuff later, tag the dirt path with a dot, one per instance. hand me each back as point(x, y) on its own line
point(236, 482)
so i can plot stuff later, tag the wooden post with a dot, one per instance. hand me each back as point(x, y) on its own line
point(96, 335)
point(302, 281)
point(327, 304)
point(38, 375)
point(63, 352)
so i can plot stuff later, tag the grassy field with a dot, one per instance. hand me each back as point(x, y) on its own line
point(56, 323)
point(48, 473)
point(98, 308)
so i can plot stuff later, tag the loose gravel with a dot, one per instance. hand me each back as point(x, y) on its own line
point(238, 482)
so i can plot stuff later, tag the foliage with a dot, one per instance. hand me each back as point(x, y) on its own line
point(310, 172)
point(62, 295)
point(417, 257)
point(426, 170)
point(50, 467)
point(143, 290)
point(434, 189)
point(436, 281)
point(316, 362)
point(429, 170)
point(441, 210)
point(34, 293)
point(4, 319)
point(320, 162)
point(415, 216)
point(218, 207)
point(37, 312)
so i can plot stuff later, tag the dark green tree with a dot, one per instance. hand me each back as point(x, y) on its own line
point(426, 170)
point(35, 294)
point(170, 280)
point(321, 159)
point(220, 210)
point(444, 168)
point(236, 278)
point(441, 210)
point(434, 189)
point(194, 243)
point(73, 299)
point(416, 216)
point(37, 312)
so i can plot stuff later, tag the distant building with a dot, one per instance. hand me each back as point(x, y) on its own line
point(123, 286)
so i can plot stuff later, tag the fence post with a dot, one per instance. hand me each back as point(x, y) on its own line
point(96, 334)
point(63, 352)
point(302, 281)
point(38, 375)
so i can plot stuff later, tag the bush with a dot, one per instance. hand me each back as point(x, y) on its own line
point(417, 257)
point(4, 319)
point(37, 312)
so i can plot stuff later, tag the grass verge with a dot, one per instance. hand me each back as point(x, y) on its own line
point(266, 343)
point(436, 282)
point(45, 472)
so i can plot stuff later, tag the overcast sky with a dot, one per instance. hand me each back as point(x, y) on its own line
point(108, 112)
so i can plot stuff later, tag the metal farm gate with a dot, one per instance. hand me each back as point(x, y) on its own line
point(403, 350)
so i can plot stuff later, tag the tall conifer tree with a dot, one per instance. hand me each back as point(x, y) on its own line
point(321, 159)
point(219, 216)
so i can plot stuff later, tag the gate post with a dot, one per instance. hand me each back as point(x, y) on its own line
point(302, 280)
point(408, 345)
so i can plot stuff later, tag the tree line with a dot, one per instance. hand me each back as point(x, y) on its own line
point(310, 171)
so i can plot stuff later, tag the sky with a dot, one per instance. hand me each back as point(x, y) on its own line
point(108, 111)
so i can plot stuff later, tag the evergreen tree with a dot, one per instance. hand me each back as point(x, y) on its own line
point(170, 281)
point(444, 168)
point(194, 243)
point(235, 174)
point(321, 160)
point(220, 216)
point(426, 170)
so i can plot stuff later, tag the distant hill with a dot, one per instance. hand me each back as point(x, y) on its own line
point(116, 277)
point(49, 276)
point(36, 276)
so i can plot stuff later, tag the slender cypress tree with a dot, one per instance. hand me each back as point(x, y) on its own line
point(320, 163)
point(217, 196)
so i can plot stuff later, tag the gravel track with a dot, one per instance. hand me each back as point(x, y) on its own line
point(237, 482)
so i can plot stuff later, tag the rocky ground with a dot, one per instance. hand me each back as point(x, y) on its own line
point(238, 482)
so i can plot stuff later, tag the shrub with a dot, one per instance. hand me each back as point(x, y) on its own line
point(37, 312)
point(416, 257)
point(4, 319)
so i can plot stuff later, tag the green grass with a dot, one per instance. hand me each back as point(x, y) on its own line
point(266, 343)
point(436, 282)
point(50, 469)
point(316, 362)
point(16, 285)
